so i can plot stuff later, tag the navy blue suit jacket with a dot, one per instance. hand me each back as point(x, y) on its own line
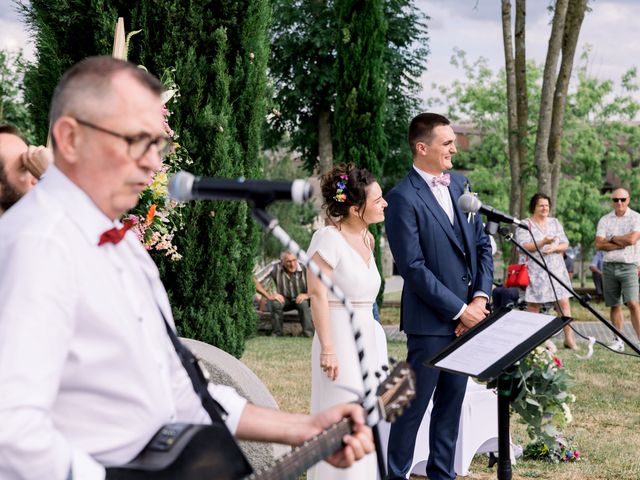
point(438, 277)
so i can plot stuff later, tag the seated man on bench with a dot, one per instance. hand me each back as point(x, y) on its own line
point(290, 281)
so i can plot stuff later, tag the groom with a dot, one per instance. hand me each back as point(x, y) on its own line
point(445, 260)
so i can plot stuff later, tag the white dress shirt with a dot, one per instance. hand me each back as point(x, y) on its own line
point(87, 371)
point(440, 192)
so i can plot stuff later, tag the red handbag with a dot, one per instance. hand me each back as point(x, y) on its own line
point(517, 276)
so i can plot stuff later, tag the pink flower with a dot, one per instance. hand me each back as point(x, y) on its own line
point(557, 361)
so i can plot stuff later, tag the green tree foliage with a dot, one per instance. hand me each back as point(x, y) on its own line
point(303, 68)
point(219, 51)
point(12, 106)
point(599, 146)
point(479, 104)
point(64, 33)
point(405, 61)
point(295, 219)
point(360, 90)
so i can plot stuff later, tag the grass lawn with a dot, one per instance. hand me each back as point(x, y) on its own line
point(606, 426)
point(391, 314)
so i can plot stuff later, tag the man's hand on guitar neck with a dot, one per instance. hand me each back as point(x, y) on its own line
point(357, 445)
point(263, 424)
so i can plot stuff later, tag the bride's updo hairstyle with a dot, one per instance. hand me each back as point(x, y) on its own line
point(344, 187)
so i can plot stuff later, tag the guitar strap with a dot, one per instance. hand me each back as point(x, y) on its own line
point(236, 459)
point(197, 376)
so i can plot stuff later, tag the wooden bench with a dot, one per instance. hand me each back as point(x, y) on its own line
point(290, 327)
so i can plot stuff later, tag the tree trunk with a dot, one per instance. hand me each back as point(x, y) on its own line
point(549, 80)
point(512, 108)
point(325, 147)
point(575, 15)
point(522, 101)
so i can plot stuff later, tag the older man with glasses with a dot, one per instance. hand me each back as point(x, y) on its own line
point(617, 235)
point(90, 364)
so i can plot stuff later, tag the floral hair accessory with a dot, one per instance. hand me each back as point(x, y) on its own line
point(341, 185)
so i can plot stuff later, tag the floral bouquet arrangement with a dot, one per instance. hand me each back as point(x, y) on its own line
point(542, 401)
point(560, 452)
point(157, 217)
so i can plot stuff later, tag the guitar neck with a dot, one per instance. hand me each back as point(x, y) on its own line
point(294, 463)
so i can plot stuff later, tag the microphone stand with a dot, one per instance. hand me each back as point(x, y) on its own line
point(583, 300)
point(369, 401)
point(504, 381)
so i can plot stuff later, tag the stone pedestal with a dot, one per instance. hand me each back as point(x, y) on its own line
point(225, 369)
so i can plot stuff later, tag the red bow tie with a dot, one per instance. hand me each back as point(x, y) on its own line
point(114, 235)
point(444, 180)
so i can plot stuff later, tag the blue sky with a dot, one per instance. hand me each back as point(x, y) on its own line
point(611, 29)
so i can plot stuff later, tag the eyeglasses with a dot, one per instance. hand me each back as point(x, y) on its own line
point(616, 200)
point(138, 145)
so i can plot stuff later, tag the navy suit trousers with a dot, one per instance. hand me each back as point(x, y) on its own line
point(448, 391)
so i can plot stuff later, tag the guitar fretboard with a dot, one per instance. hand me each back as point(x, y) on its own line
point(294, 463)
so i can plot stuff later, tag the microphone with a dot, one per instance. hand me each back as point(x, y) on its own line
point(184, 186)
point(469, 203)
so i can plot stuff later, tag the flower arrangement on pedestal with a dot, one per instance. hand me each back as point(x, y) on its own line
point(542, 401)
point(157, 217)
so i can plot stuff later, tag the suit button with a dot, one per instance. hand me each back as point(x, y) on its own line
point(465, 278)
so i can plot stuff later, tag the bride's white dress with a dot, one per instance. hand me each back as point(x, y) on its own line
point(360, 281)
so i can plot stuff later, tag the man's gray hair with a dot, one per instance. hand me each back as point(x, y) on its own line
point(93, 76)
point(285, 253)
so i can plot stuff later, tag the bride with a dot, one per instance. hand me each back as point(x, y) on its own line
point(344, 251)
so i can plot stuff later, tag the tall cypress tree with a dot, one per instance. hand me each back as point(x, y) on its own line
point(302, 65)
point(361, 89)
point(219, 50)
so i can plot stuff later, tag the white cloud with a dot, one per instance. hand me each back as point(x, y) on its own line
point(13, 37)
point(475, 27)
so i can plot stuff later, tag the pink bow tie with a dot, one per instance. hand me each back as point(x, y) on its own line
point(114, 235)
point(444, 180)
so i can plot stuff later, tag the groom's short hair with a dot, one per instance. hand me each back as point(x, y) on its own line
point(421, 128)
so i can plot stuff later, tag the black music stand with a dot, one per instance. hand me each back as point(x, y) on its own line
point(489, 352)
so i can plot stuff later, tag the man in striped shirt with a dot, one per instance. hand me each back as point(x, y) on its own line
point(290, 281)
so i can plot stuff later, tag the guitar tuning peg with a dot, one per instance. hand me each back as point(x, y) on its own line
point(392, 361)
point(377, 374)
point(385, 368)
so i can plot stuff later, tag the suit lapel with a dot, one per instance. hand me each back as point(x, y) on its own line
point(429, 199)
point(455, 190)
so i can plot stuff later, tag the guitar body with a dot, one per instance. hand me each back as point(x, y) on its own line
point(183, 451)
point(186, 452)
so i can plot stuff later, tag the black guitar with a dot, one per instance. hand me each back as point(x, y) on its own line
point(195, 452)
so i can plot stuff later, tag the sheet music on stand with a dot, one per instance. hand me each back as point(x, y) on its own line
point(503, 338)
